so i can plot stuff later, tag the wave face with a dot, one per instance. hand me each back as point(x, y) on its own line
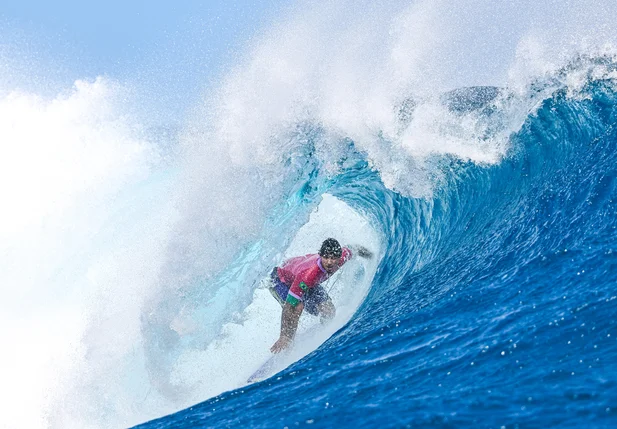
point(494, 302)
point(133, 255)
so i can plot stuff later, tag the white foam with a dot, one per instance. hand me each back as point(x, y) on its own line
point(64, 162)
point(349, 72)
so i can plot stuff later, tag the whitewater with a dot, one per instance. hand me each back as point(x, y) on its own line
point(471, 146)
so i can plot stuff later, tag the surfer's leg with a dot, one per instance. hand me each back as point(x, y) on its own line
point(318, 303)
point(278, 289)
point(276, 295)
point(327, 311)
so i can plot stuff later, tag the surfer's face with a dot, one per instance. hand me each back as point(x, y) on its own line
point(329, 263)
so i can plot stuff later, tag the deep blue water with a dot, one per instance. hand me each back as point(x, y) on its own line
point(495, 304)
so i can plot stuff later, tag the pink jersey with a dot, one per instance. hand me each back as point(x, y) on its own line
point(306, 272)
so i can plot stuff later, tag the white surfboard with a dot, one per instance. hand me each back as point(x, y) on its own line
point(269, 368)
point(279, 361)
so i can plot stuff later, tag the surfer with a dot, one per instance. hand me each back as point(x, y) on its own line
point(296, 285)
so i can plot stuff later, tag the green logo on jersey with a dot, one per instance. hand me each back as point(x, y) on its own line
point(303, 286)
point(293, 301)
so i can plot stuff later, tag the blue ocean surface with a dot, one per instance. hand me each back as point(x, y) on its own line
point(495, 302)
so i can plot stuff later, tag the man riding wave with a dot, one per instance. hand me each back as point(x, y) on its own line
point(296, 285)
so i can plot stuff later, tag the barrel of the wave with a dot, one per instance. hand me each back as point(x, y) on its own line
point(298, 285)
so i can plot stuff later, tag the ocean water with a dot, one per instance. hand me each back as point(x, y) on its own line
point(134, 256)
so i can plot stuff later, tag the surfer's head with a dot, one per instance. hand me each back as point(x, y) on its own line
point(330, 248)
point(330, 253)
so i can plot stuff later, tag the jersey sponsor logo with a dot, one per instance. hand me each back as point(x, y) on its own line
point(303, 286)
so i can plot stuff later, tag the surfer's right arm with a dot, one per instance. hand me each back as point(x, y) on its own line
point(289, 324)
point(362, 251)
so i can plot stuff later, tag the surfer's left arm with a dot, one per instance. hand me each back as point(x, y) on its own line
point(361, 251)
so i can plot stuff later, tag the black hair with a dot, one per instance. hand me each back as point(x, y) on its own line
point(330, 248)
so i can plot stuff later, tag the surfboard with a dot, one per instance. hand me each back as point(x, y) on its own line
point(269, 368)
point(280, 361)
